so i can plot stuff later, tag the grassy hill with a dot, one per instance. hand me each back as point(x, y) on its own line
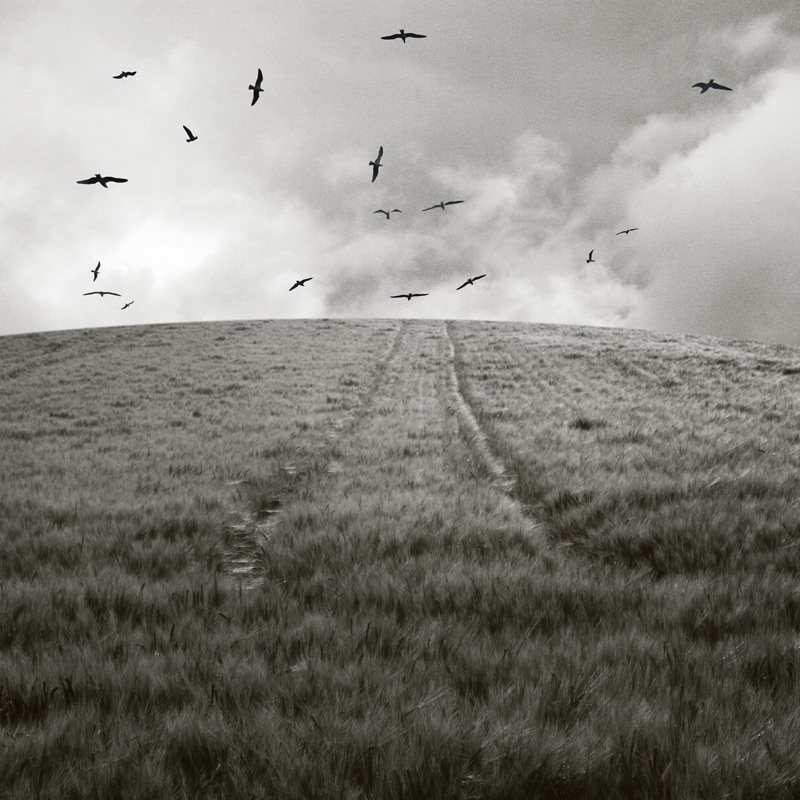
point(398, 559)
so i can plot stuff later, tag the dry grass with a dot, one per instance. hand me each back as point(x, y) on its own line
point(311, 584)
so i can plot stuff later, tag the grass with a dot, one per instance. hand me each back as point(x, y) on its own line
point(313, 586)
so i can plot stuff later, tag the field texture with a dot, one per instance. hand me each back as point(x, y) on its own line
point(398, 559)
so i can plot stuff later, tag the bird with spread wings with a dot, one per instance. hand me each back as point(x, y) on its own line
point(103, 181)
point(257, 88)
point(376, 164)
point(443, 204)
point(471, 281)
point(403, 35)
point(704, 87)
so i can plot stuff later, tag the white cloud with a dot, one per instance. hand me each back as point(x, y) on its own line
point(718, 224)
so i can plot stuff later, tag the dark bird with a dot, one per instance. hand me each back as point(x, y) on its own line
point(590, 260)
point(704, 87)
point(443, 204)
point(470, 281)
point(102, 294)
point(257, 88)
point(300, 283)
point(191, 136)
point(126, 305)
point(376, 164)
point(627, 231)
point(95, 271)
point(409, 295)
point(403, 35)
point(381, 211)
point(124, 75)
point(103, 181)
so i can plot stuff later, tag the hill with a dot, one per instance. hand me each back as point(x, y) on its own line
point(398, 559)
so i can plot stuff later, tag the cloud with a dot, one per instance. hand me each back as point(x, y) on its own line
point(549, 160)
point(717, 247)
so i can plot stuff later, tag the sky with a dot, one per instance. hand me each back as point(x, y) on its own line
point(558, 125)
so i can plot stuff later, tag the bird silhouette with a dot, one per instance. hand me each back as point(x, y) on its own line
point(102, 294)
point(443, 204)
point(103, 181)
point(403, 35)
point(381, 211)
point(257, 88)
point(376, 164)
point(409, 295)
point(123, 75)
point(300, 283)
point(470, 281)
point(126, 305)
point(95, 271)
point(590, 260)
point(704, 87)
point(627, 231)
point(192, 137)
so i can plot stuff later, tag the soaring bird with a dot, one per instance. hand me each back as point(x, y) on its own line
point(257, 88)
point(102, 294)
point(627, 231)
point(191, 136)
point(443, 204)
point(126, 305)
point(376, 164)
point(381, 211)
point(300, 283)
point(590, 260)
point(103, 181)
point(403, 35)
point(470, 281)
point(409, 295)
point(95, 271)
point(123, 75)
point(704, 87)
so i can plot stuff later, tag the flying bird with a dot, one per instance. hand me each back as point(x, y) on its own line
point(590, 260)
point(403, 35)
point(95, 271)
point(381, 211)
point(102, 293)
point(470, 281)
point(257, 88)
point(409, 295)
point(704, 87)
point(376, 164)
point(103, 181)
point(300, 283)
point(191, 136)
point(443, 204)
point(123, 75)
point(126, 305)
point(627, 231)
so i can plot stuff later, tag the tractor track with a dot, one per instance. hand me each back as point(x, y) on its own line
point(243, 538)
point(501, 478)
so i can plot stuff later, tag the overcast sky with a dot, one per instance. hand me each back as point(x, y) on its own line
point(558, 124)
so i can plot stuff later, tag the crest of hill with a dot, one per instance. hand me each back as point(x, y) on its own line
point(21, 353)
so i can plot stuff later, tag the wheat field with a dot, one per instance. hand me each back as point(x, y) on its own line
point(381, 558)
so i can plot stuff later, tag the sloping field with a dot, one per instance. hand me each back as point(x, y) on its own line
point(398, 559)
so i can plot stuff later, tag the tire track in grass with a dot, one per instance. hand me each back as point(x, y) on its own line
point(501, 477)
point(478, 441)
point(243, 539)
point(364, 400)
